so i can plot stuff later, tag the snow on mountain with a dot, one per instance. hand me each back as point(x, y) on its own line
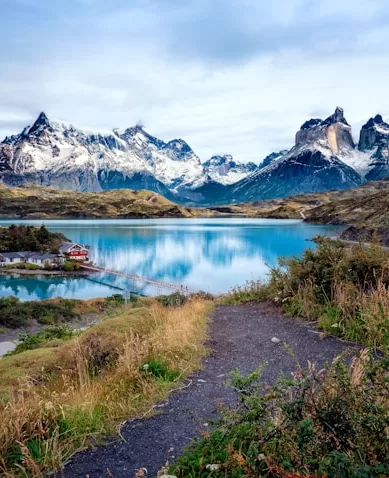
point(55, 153)
point(224, 170)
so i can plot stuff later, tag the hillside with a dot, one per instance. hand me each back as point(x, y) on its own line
point(364, 209)
point(301, 205)
point(43, 202)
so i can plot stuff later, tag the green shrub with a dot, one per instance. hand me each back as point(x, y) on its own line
point(332, 263)
point(116, 299)
point(173, 300)
point(331, 423)
point(14, 313)
point(250, 292)
point(71, 266)
point(158, 369)
point(41, 339)
point(23, 266)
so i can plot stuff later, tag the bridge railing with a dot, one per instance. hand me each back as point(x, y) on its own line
point(182, 289)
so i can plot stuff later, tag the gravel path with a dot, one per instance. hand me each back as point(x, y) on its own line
point(241, 337)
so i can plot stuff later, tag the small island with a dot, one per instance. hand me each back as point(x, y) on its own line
point(30, 250)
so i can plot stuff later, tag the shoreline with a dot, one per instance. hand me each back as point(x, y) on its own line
point(26, 272)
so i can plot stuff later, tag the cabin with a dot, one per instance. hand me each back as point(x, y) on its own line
point(73, 251)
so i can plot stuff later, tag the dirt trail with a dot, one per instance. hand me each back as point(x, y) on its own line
point(241, 337)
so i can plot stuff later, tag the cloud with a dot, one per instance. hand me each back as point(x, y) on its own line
point(236, 76)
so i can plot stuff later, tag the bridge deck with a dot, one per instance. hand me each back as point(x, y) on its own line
point(162, 284)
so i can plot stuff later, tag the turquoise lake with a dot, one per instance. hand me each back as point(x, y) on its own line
point(208, 254)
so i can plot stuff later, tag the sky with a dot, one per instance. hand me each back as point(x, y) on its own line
point(228, 76)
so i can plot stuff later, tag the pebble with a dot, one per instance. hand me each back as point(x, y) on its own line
point(201, 380)
point(275, 340)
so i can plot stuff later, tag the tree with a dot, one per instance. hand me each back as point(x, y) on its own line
point(43, 235)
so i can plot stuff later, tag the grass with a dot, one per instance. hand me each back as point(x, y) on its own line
point(345, 288)
point(330, 423)
point(56, 400)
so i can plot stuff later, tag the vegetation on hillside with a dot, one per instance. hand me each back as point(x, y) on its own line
point(29, 238)
point(364, 210)
point(15, 314)
point(63, 395)
point(317, 423)
point(44, 202)
point(48, 337)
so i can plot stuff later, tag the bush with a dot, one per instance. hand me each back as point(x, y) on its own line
point(330, 423)
point(41, 339)
point(172, 300)
point(23, 266)
point(332, 263)
point(158, 369)
point(14, 313)
point(115, 299)
point(71, 266)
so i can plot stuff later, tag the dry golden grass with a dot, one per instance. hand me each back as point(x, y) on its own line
point(364, 314)
point(54, 402)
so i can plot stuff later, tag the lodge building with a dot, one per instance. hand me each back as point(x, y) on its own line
point(67, 251)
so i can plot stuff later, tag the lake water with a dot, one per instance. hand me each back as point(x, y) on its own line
point(208, 254)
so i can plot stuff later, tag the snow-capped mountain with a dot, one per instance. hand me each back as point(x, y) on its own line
point(58, 154)
point(324, 157)
point(54, 153)
point(374, 142)
point(224, 170)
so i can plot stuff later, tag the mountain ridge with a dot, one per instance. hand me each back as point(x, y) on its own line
point(324, 156)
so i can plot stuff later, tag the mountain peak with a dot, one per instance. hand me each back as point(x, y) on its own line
point(219, 160)
point(41, 120)
point(376, 121)
point(374, 134)
point(337, 117)
point(339, 113)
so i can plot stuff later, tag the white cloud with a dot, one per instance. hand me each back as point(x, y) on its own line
point(228, 76)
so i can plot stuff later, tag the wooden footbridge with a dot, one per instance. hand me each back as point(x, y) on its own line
point(182, 289)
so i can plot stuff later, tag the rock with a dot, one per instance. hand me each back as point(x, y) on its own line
point(275, 340)
point(213, 467)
